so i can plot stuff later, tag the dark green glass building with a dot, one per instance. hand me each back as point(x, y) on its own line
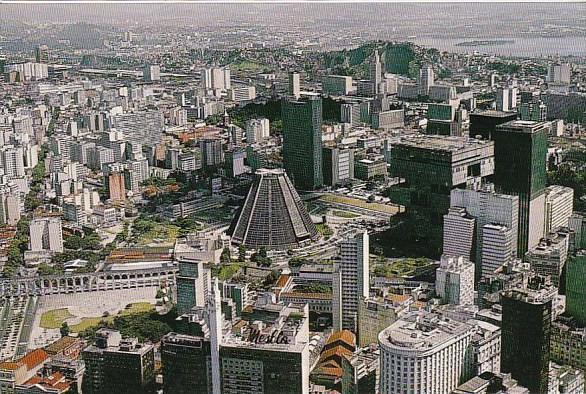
point(520, 151)
point(575, 290)
point(526, 330)
point(302, 142)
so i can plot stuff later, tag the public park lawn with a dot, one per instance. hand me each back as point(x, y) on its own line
point(54, 318)
point(344, 214)
point(162, 233)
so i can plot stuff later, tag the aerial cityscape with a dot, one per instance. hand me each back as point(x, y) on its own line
point(295, 198)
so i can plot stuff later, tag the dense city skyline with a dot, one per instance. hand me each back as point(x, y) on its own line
point(292, 198)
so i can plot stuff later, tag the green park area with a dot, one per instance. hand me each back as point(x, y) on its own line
point(55, 318)
point(401, 268)
point(248, 66)
point(344, 214)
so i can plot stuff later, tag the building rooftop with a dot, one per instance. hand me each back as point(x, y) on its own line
point(493, 113)
point(523, 126)
point(442, 143)
point(422, 332)
point(288, 331)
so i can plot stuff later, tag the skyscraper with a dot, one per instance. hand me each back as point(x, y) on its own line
point(559, 73)
point(520, 150)
point(459, 233)
point(42, 54)
point(117, 365)
point(152, 73)
point(376, 71)
point(338, 165)
point(434, 165)
point(216, 78)
point(185, 361)
point(426, 79)
point(455, 280)
point(193, 283)
point(294, 87)
point(526, 328)
point(575, 289)
point(559, 204)
point(351, 281)
point(497, 247)
point(46, 234)
point(302, 142)
point(488, 207)
point(116, 187)
point(484, 123)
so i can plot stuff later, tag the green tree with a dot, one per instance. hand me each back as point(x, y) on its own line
point(225, 257)
point(241, 253)
point(64, 330)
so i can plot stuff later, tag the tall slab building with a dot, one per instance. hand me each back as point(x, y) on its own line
point(302, 142)
point(520, 150)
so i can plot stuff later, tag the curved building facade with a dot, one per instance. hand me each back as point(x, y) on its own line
point(424, 354)
point(273, 215)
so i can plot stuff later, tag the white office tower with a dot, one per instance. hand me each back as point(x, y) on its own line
point(9, 209)
point(350, 281)
point(215, 323)
point(257, 130)
point(13, 161)
point(498, 247)
point(559, 204)
point(376, 71)
point(152, 73)
point(559, 73)
point(216, 78)
point(46, 234)
point(294, 88)
point(459, 232)
point(454, 282)
point(503, 100)
point(426, 80)
point(350, 113)
point(424, 353)
point(487, 207)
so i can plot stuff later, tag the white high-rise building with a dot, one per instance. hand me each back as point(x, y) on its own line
point(13, 161)
point(376, 71)
point(559, 73)
point(487, 207)
point(425, 353)
point(497, 247)
point(242, 93)
point(426, 79)
point(46, 234)
point(454, 282)
point(152, 73)
point(216, 78)
point(350, 113)
point(503, 100)
point(257, 130)
point(350, 281)
point(459, 232)
point(559, 204)
point(9, 209)
point(294, 85)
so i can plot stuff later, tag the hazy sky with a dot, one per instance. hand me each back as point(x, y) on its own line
point(208, 13)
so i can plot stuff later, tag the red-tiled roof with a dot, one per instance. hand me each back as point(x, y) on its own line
point(283, 279)
point(10, 365)
point(34, 358)
point(344, 336)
